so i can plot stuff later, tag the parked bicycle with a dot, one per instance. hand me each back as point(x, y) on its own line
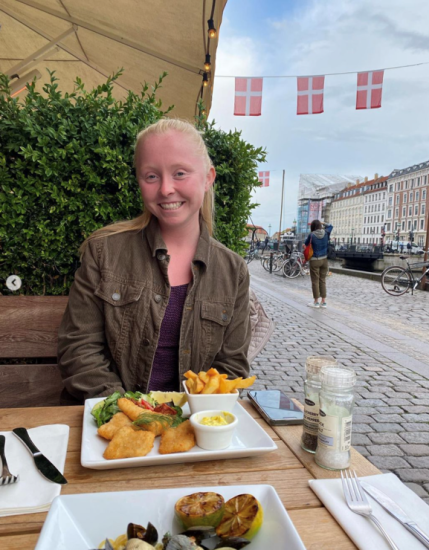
point(295, 265)
point(397, 280)
point(278, 261)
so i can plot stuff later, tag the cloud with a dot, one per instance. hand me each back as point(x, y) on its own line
point(319, 37)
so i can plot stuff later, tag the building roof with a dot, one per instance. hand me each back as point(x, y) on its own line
point(409, 170)
point(94, 39)
point(383, 179)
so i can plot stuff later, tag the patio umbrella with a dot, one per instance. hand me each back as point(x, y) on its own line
point(92, 39)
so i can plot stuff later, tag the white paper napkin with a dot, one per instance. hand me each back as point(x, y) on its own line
point(33, 493)
point(361, 530)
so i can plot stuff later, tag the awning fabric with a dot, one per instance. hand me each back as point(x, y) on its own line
point(92, 39)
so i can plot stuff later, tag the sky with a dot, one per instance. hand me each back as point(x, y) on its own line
point(316, 37)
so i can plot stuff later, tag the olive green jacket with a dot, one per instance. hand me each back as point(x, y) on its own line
point(110, 329)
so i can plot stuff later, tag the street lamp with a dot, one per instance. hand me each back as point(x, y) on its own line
point(269, 230)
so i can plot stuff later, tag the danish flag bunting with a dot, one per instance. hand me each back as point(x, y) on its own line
point(264, 178)
point(369, 88)
point(248, 97)
point(310, 95)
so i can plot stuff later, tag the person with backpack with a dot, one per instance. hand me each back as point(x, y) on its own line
point(319, 238)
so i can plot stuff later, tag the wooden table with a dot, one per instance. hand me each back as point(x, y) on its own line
point(288, 470)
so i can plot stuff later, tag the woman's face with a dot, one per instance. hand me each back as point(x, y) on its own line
point(173, 179)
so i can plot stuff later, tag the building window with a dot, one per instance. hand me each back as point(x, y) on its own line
point(425, 180)
point(404, 211)
point(418, 182)
point(410, 210)
point(391, 188)
point(382, 217)
point(397, 199)
point(424, 194)
point(409, 225)
point(423, 210)
point(415, 224)
point(417, 195)
point(416, 210)
point(403, 226)
point(397, 213)
point(405, 197)
point(422, 223)
point(389, 213)
point(411, 196)
point(406, 184)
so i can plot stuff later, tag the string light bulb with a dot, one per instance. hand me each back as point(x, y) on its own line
point(212, 29)
point(204, 112)
point(207, 63)
point(205, 80)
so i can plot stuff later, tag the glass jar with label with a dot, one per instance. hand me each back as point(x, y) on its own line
point(335, 417)
point(312, 387)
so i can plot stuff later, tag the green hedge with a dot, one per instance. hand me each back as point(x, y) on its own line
point(66, 170)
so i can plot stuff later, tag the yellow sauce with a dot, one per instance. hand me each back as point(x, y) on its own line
point(215, 420)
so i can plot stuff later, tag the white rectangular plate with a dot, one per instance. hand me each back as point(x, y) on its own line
point(81, 522)
point(249, 440)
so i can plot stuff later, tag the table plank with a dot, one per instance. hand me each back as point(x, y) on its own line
point(19, 542)
point(327, 536)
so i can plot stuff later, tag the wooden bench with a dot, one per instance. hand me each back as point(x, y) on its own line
point(29, 330)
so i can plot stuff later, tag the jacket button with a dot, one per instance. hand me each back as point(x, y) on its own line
point(116, 296)
point(157, 298)
point(145, 342)
point(224, 317)
point(161, 257)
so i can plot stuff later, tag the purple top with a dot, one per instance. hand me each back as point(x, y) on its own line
point(165, 368)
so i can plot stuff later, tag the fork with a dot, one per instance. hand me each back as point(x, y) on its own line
point(6, 477)
point(358, 503)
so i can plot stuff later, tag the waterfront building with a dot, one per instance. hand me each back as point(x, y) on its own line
point(407, 203)
point(347, 214)
point(374, 212)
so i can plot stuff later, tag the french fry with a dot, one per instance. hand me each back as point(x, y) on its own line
point(204, 377)
point(245, 383)
point(190, 385)
point(199, 385)
point(213, 372)
point(213, 385)
point(190, 374)
point(228, 386)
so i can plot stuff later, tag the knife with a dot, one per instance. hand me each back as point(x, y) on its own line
point(45, 466)
point(397, 512)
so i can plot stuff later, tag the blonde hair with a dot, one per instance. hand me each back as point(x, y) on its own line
point(162, 126)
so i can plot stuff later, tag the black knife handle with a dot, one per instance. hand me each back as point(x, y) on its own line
point(2, 444)
point(22, 434)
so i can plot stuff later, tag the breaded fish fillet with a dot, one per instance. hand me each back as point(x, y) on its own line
point(118, 421)
point(134, 411)
point(177, 440)
point(128, 443)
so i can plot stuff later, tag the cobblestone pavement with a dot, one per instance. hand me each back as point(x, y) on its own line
point(385, 339)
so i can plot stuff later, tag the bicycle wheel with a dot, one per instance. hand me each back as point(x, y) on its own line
point(395, 280)
point(249, 257)
point(266, 264)
point(291, 269)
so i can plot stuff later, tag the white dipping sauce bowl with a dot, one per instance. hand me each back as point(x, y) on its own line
point(211, 401)
point(213, 438)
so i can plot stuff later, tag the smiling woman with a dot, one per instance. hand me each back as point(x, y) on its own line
point(157, 296)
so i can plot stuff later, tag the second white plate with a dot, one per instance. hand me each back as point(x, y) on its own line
point(249, 440)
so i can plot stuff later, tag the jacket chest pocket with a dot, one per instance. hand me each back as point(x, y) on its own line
point(120, 303)
point(215, 317)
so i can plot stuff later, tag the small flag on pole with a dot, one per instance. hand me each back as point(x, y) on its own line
point(264, 178)
point(248, 97)
point(369, 89)
point(310, 95)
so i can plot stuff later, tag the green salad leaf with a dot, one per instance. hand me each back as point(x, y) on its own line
point(104, 413)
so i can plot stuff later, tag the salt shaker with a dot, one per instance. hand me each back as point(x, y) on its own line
point(335, 417)
point(312, 386)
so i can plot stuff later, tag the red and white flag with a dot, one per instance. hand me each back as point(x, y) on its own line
point(248, 97)
point(369, 89)
point(264, 178)
point(310, 95)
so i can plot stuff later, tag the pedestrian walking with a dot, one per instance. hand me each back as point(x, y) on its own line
point(402, 248)
point(319, 238)
point(409, 247)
